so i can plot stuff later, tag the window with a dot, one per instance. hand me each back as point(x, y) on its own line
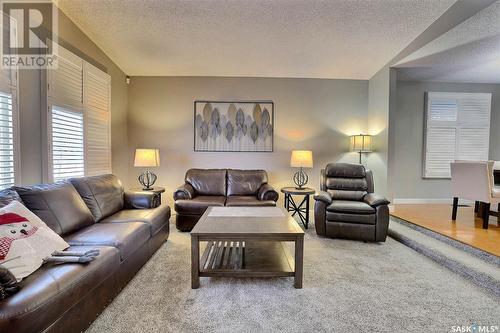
point(7, 149)
point(9, 130)
point(79, 120)
point(457, 128)
point(67, 144)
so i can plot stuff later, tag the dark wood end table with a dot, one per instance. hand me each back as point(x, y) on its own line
point(156, 190)
point(291, 205)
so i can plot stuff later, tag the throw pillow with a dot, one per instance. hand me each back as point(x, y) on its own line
point(25, 240)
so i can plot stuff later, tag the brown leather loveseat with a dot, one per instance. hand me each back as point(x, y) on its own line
point(89, 213)
point(220, 187)
point(346, 206)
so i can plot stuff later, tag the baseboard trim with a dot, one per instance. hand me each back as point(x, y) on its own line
point(422, 201)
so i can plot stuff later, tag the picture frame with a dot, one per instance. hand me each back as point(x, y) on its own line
point(233, 126)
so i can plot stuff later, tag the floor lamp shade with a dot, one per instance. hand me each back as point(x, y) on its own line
point(361, 143)
point(147, 158)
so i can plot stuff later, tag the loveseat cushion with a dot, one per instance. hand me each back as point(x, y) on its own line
point(50, 291)
point(353, 207)
point(207, 181)
point(248, 200)
point(245, 182)
point(58, 205)
point(103, 194)
point(199, 204)
point(126, 237)
point(156, 218)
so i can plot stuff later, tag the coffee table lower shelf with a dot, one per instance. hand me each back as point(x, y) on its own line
point(246, 259)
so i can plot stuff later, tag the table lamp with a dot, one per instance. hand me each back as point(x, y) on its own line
point(147, 158)
point(301, 159)
point(361, 143)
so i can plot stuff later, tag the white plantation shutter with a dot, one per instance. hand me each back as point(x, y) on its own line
point(8, 140)
point(457, 128)
point(67, 144)
point(79, 127)
point(97, 121)
point(440, 151)
point(66, 82)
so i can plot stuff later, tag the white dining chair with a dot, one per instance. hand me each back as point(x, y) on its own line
point(474, 181)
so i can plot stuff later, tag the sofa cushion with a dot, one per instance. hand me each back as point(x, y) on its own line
point(7, 196)
point(353, 207)
point(58, 205)
point(50, 291)
point(102, 194)
point(156, 218)
point(126, 237)
point(198, 204)
point(207, 181)
point(248, 200)
point(245, 182)
point(351, 218)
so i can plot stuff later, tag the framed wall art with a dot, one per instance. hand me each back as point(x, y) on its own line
point(233, 126)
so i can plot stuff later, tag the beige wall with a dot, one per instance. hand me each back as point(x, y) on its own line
point(30, 94)
point(311, 114)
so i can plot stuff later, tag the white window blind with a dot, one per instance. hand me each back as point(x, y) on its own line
point(67, 144)
point(7, 151)
point(457, 128)
point(97, 121)
point(79, 127)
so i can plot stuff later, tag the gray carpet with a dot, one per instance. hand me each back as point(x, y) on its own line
point(348, 286)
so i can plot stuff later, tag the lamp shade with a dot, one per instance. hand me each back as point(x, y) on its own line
point(301, 159)
point(361, 143)
point(147, 158)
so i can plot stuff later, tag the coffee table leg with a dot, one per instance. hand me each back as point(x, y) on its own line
point(299, 261)
point(195, 262)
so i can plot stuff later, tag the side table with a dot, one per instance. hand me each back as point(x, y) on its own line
point(156, 190)
point(300, 210)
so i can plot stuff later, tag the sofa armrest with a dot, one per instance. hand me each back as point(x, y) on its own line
point(375, 200)
point(323, 196)
point(267, 192)
point(185, 191)
point(141, 199)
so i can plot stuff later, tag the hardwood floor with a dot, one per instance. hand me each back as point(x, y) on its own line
point(467, 228)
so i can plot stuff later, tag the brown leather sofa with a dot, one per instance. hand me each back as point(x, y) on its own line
point(346, 206)
point(220, 187)
point(89, 213)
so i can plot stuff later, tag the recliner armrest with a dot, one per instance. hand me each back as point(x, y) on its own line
point(323, 196)
point(141, 200)
point(375, 200)
point(185, 191)
point(267, 192)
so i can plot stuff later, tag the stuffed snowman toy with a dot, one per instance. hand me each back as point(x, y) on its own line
point(26, 242)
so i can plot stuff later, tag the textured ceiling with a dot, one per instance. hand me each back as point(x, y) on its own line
point(470, 52)
point(348, 39)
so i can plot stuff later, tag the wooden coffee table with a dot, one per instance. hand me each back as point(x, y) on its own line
point(246, 242)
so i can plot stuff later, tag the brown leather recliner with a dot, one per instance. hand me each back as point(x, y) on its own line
point(220, 187)
point(89, 213)
point(346, 206)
